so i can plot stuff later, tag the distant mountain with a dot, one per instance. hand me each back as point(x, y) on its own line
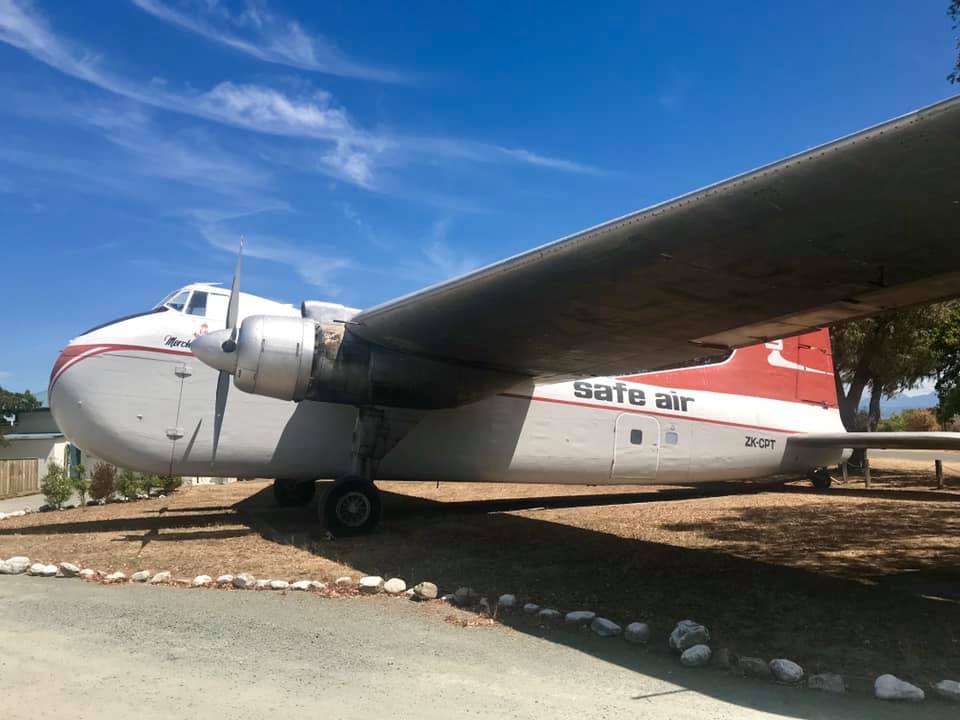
point(896, 405)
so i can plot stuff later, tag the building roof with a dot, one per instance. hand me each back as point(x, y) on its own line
point(33, 436)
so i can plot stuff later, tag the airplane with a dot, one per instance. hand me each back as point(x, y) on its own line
point(680, 344)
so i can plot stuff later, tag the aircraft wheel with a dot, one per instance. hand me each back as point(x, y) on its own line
point(821, 479)
point(352, 507)
point(290, 493)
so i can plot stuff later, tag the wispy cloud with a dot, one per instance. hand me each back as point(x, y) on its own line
point(352, 155)
point(319, 269)
point(266, 35)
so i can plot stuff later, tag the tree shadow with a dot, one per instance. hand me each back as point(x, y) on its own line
point(753, 605)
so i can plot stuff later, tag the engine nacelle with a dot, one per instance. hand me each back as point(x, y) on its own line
point(300, 358)
point(275, 356)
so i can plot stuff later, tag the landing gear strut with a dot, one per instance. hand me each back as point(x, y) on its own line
point(821, 479)
point(352, 506)
point(289, 493)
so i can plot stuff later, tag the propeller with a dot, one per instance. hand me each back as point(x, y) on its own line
point(218, 350)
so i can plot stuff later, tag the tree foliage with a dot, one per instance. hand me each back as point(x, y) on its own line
point(948, 370)
point(887, 354)
point(103, 483)
point(954, 12)
point(11, 405)
point(56, 486)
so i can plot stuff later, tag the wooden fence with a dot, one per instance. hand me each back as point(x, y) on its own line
point(19, 477)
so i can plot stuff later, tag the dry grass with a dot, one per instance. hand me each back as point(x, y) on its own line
point(852, 580)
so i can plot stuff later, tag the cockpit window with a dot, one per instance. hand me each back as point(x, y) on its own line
point(178, 301)
point(198, 304)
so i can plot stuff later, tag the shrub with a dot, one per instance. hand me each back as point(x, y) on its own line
point(894, 423)
point(169, 483)
point(81, 483)
point(56, 486)
point(129, 484)
point(953, 424)
point(920, 421)
point(102, 486)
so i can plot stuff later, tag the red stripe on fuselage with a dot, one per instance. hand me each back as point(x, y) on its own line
point(72, 354)
point(617, 408)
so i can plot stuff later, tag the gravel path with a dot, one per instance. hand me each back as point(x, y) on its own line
point(78, 650)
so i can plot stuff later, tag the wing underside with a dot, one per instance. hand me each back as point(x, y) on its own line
point(864, 224)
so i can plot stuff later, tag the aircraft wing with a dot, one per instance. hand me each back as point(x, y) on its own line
point(878, 440)
point(864, 224)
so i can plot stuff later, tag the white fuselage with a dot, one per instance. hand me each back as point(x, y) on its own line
point(132, 393)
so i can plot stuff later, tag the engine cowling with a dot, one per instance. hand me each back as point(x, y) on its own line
point(275, 356)
point(293, 358)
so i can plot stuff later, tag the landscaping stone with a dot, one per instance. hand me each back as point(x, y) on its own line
point(890, 687)
point(548, 617)
point(42, 570)
point(531, 608)
point(721, 659)
point(395, 586)
point(68, 570)
point(754, 667)
point(115, 577)
point(637, 633)
point(279, 585)
point(201, 581)
point(579, 618)
point(161, 577)
point(464, 597)
point(342, 581)
point(507, 602)
point(605, 628)
point(696, 656)
point(300, 585)
point(224, 580)
point(786, 671)
point(87, 574)
point(16, 565)
point(262, 584)
point(827, 682)
point(371, 584)
point(949, 689)
point(688, 633)
point(141, 576)
point(425, 591)
point(244, 581)
point(317, 585)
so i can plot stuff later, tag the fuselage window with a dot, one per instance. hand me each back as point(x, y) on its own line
point(198, 304)
point(671, 437)
point(636, 437)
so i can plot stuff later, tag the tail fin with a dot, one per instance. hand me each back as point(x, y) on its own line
point(796, 369)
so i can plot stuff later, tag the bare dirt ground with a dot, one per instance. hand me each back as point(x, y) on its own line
point(848, 580)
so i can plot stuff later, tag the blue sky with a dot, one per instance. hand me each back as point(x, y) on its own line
point(367, 152)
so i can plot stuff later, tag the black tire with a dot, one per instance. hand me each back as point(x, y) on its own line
point(291, 493)
point(821, 479)
point(351, 507)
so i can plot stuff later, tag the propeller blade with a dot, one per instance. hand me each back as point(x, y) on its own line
point(223, 388)
point(234, 305)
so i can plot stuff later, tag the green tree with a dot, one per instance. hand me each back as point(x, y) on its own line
point(948, 369)
point(81, 483)
point(11, 405)
point(103, 484)
point(887, 354)
point(56, 485)
point(954, 12)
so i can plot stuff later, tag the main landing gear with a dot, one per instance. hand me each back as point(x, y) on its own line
point(352, 506)
point(821, 479)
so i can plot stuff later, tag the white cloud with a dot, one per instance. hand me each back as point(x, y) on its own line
point(353, 154)
point(260, 33)
point(316, 268)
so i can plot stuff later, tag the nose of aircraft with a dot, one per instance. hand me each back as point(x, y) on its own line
point(216, 349)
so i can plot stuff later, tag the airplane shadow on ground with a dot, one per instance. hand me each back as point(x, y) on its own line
point(753, 605)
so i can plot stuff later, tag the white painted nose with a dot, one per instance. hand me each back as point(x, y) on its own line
point(216, 349)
